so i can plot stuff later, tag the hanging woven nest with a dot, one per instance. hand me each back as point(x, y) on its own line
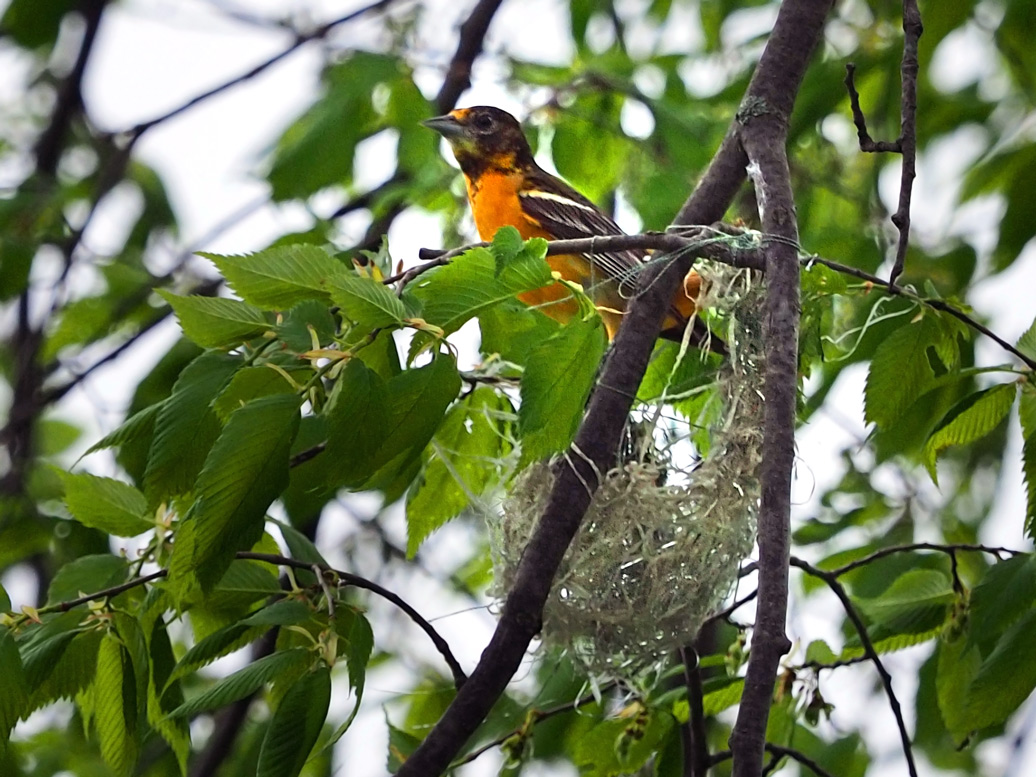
point(660, 545)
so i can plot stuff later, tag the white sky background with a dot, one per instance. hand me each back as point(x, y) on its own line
point(153, 55)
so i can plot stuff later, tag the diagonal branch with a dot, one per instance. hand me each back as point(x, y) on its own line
point(868, 648)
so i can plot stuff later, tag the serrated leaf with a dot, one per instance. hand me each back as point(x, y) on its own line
point(915, 590)
point(14, 695)
point(401, 745)
point(302, 322)
point(1027, 342)
point(367, 302)
point(478, 279)
point(107, 504)
point(378, 428)
point(295, 725)
point(899, 372)
point(247, 384)
point(86, 574)
point(1027, 416)
point(115, 706)
point(136, 426)
point(972, 418)
point(282, 276)
point(216, 322)
point(244, 472)
point(555, 386)
point(1006, 591)
point(60, 666)
point(820, 652)
point(462, 463)
point(1005, 679)
point(162, 699)
point(219, 643)
point(287, 612)
point(186, 427)
point(956, 669)
point(243, 682)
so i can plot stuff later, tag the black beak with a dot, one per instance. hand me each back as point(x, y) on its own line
point(447, 126)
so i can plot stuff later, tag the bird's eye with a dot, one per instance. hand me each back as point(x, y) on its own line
point(483, 122)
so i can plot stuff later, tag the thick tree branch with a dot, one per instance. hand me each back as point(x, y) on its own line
point(797, 30)
point(868, 649)
point(764, 138)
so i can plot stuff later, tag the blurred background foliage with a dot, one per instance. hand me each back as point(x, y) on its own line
point(629, 105)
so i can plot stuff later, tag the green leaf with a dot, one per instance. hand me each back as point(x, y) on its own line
point(161, 700)
point(555, 386)
point(1005, 679)
point(295, 725)
point(282, 276)
point(591, 122)
point(135, 427)
point(107, 504)
point(722, 696)
point(251, 383)
point(244, 472)
point(186, 427)
point(219, 643)
point(317, 150)
point(820, 652)
point(970, 419)
point(478, 279)
point(401, 746)
point(115, 706)
point(1027, 416)
point(216, 322)
point(464, 459)
point(914, 591)
point(1006, 591)
point(243, 682)
point(900, 371)
point(308, 318)
point(14, 695)
point(32, 24)
point(86, 575)
point(957, 666)
point(377, 428)
point(512, 330)
point(1027, 342)
point(367, 302)
point(60, 665)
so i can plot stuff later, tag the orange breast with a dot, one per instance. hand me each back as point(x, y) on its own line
point(495, 203)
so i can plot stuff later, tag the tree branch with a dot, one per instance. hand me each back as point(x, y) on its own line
point(906, 143)
point(868, 648)
point(696, 751)
point(947, 549)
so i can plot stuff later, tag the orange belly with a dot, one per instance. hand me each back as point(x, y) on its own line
point(497, 205)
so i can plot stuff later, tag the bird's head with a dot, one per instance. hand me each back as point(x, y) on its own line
point(483, 137)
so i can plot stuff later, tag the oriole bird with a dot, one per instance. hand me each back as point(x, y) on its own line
point(506, 187)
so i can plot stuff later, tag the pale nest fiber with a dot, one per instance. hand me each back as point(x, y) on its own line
point(652, 560)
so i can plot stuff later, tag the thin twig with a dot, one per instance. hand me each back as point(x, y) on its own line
point(912, 29)
point(537, 716)
point(459, 677)
point(868, 649)
point(948, 549)
point(270, 558)
point(798, 755)
point(867, 144)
